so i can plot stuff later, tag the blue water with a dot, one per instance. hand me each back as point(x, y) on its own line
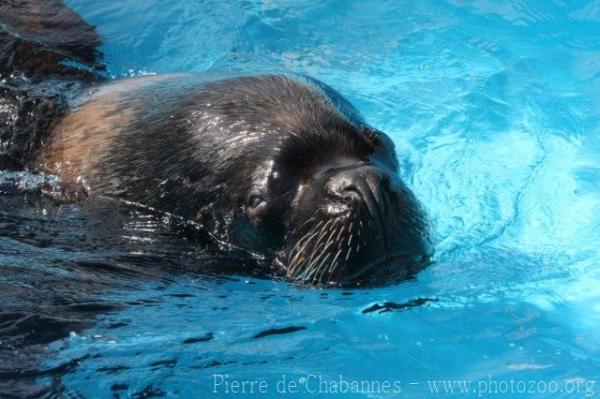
point(495, 111)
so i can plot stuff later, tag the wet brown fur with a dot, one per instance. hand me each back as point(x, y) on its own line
point(84, 136)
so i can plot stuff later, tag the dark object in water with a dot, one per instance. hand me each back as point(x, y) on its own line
point(205, 338)
point(392, 306)
point(276, 331)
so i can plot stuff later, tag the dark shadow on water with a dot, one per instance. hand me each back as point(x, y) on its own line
point(392, 306)
point(277, 331)
point(58, 262)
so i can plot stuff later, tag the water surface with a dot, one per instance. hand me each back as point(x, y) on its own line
point(494, 109)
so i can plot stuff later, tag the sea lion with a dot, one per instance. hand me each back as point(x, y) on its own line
point(281, 165)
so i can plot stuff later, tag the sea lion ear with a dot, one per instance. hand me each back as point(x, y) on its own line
point(373, 136)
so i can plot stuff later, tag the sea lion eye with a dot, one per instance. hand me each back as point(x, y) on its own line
point(255, 200)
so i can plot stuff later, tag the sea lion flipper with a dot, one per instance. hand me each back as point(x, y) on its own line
point(42, 38)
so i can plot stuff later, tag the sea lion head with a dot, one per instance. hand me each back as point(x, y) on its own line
point(316, 189)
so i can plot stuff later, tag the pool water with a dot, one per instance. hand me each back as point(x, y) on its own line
point(495, 111)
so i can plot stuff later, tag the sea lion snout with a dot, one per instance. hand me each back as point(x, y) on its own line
point(359, 223)
point(360, 186)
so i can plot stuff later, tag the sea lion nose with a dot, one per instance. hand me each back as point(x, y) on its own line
point(361, 185)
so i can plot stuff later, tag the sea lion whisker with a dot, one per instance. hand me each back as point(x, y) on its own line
point(333, 264)
point(348, 253)
point(323, 252)
point(308, 269)
point(306, 235)
point(340, 233)
point(330, 242)
point(312, 217)
point(300, 242)
point(323, 266)
point(319, 250)
point(292, 271)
